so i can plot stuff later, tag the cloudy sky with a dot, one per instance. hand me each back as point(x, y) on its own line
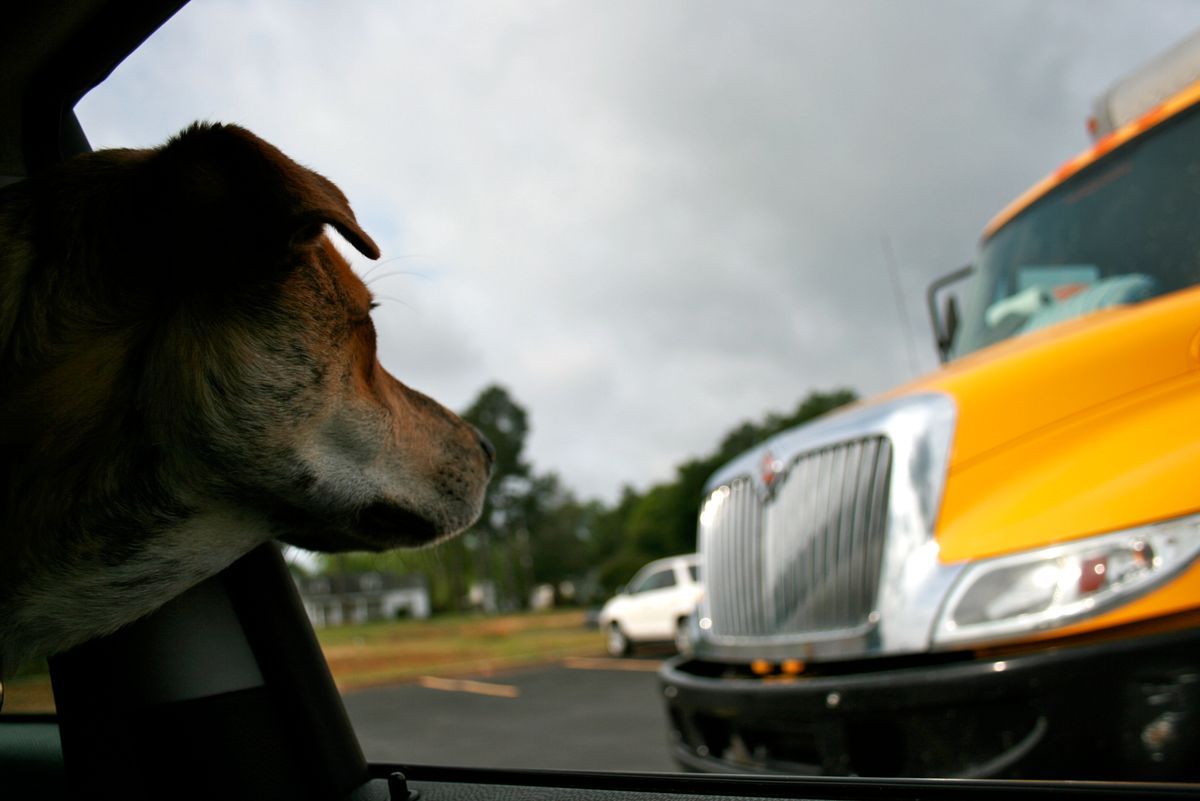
point(649, 219)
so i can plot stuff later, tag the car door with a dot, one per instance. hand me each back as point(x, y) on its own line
point(651, 606)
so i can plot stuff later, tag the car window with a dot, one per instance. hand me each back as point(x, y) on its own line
point(655, 581)
point(633, 243)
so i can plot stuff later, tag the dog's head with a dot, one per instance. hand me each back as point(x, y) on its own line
point(188, 368)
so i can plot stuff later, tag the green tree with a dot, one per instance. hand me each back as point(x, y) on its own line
point(500, 541)
point(503, 421)
point(560, 529)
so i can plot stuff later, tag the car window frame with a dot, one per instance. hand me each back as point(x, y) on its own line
point(52, 133)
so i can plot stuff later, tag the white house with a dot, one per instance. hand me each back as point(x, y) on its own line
point(362, 597)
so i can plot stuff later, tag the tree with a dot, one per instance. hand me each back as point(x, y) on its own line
point(560, 529)
point(501, 537)
point(503, 421)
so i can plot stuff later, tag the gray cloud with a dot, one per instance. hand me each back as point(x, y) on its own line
point(649, 220)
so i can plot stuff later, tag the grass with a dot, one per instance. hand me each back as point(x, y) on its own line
point(28, 694)
point(388, 652)
point(391, 652)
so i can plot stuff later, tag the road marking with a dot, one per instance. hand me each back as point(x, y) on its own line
point(468, 686)
point(588, 663)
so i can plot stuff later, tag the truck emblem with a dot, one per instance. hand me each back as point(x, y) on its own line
point(769, 471)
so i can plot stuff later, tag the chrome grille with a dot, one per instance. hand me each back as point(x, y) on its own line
point(808, 558)
point(732, 554)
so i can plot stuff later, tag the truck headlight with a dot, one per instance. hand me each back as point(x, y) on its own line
point(1047, 587)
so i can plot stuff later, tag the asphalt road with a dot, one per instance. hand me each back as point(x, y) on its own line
point(596, 714)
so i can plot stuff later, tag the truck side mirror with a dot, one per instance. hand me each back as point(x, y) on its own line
point(950, 323)
point(945, 320)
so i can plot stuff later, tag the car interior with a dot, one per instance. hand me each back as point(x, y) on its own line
point(224, 692)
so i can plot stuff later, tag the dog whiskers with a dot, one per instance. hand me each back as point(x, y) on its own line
point(385, 262)
point(403, 273)
point(393, 300)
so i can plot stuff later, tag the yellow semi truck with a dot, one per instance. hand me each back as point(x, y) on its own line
point(991, 571)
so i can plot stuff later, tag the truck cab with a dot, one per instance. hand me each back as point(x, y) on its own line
point(990, 572)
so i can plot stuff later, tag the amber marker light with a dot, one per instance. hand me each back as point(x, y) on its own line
point(792, 667)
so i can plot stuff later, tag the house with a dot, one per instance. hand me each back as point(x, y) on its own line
point(362, 597)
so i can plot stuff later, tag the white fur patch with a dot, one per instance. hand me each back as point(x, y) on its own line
point(72, 604)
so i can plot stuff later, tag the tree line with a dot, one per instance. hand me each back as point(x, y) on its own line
point(534, 530)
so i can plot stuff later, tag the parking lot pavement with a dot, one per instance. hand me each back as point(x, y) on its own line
point(593, 714)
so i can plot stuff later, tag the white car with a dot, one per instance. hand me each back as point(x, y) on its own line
point(654, 606)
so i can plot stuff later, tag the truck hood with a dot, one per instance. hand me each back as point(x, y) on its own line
point(1019, 388)
point(1019, 444)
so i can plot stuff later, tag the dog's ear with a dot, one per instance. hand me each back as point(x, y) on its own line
point(221, 185)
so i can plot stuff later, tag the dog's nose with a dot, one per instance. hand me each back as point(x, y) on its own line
point(489, 450)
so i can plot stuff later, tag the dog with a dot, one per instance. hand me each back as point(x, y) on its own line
point(187, 370)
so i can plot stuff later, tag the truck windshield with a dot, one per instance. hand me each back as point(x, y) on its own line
point(1123, 230)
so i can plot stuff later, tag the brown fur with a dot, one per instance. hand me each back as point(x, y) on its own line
point(188, 369)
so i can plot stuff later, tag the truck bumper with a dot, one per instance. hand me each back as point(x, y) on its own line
point(1124, 709)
